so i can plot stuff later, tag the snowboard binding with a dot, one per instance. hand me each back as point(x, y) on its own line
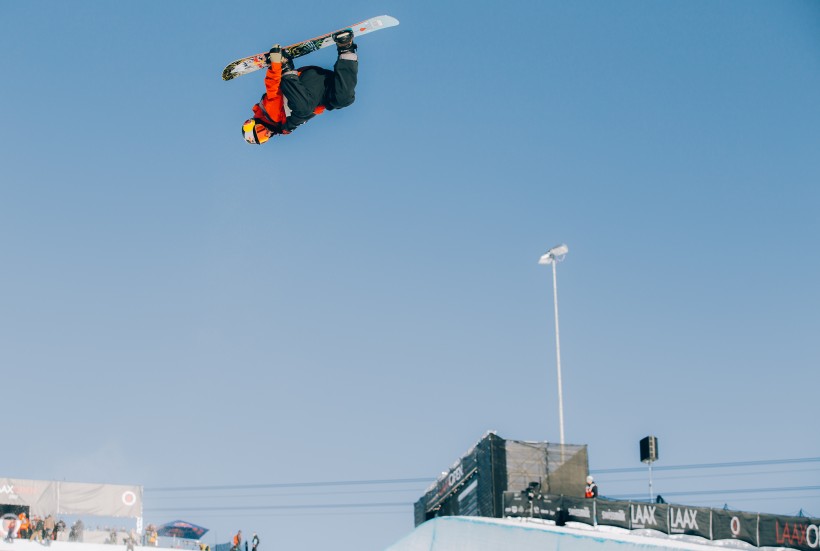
point(344, 42)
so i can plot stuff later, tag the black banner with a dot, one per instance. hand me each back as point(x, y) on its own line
point(467, 499)
point(473, 487)
point(799, 533)
point(6, 509)
point(579, 509)
point(516, 504)
point(652, 516)
point(732, 525)
point(612, 513)
point(692, 521)
point(450, 482)
point(547, 507)
point(795, 532)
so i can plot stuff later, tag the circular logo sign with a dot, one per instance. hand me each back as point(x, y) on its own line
point(129, 498)
point(734, 526)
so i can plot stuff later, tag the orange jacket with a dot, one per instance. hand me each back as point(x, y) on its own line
point(271, 108)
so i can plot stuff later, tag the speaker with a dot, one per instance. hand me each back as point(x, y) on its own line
point(649, 449)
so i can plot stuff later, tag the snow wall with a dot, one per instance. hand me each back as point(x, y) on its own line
point(484, 534)
point(27, 545)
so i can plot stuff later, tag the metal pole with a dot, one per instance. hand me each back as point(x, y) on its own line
point(650, 482)
point(558, 354)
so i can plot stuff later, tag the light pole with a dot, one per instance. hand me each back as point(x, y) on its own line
point(553, 256)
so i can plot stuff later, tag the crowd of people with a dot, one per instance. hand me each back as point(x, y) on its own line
point(47, 529)
point(36, 528)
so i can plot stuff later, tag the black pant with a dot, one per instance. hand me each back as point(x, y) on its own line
point(316, 86)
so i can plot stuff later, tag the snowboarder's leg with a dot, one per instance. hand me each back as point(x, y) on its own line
point(303, 94)
point(342, 91)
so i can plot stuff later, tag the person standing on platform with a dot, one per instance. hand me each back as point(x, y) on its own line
point(591, 489)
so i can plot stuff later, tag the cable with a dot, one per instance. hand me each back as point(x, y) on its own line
point(713, 492)
point(275, 507)
point(356, 508)
point(290, 494)
point(429, 480)
point(289, 485)
point(721, 475)
point(709, 465)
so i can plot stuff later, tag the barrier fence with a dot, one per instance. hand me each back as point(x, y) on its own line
point(758, 529)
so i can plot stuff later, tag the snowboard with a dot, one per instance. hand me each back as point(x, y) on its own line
point(261, 61)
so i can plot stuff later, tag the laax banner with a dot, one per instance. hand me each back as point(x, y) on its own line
point(692, 521)
point(649, 516)
point(733, 525)
point(794, 532)
point(801, 533)
point(72, 498)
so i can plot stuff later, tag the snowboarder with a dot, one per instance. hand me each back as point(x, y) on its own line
point(293, 97)
point(591, 489)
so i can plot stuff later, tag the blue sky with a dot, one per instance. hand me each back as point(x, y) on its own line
point(361, 300)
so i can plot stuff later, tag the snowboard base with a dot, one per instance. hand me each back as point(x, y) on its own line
point(261, 61)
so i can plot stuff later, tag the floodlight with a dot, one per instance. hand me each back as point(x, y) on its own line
point(551, 255)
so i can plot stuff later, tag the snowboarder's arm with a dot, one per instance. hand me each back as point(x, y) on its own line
point(273, 76)
point(272, 102)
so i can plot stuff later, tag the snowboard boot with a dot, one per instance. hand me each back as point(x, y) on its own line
point(345, 46)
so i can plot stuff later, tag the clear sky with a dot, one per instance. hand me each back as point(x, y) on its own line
point(361, 300)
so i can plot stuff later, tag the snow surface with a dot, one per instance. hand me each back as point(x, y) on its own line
point(26, 545)
point(486, 534)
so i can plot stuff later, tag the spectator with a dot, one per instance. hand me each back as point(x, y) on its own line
point(37, 529)
point(254, 542)
point(48, 529)
point(23, 532)
point(237, 541)
point(131, 540)
point(12, 524)
point(591, 489)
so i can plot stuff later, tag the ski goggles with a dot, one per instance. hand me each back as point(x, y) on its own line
point(255, 133)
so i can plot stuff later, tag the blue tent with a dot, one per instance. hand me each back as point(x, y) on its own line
point(181, 529)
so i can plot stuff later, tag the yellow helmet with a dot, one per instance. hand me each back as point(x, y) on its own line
point(255, 132)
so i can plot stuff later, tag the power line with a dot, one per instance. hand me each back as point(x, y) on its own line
point(429, 480)
point(276, 507)
point(290, 485)
point(713, 492)
point(288, 494)
point(721, 475)
point(361, 508)
point(709, 465)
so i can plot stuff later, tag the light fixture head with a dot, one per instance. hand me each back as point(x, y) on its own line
point(553, 254)
point(559, 250)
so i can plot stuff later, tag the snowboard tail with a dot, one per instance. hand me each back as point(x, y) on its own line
point(261, 61)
